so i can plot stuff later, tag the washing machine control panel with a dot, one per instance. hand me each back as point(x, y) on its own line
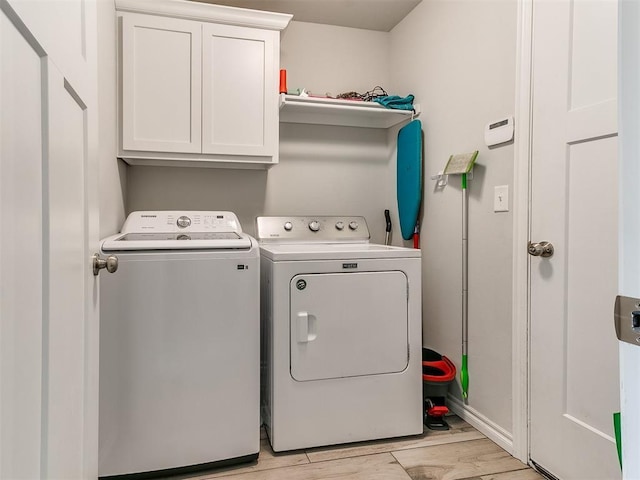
point(181, 221)
point(324, 229)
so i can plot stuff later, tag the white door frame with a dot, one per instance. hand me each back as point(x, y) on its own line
point(521, 200)
point(629, 259)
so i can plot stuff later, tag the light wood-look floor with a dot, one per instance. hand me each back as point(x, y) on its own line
point(457, 454)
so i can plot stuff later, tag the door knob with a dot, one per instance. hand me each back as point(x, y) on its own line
point(540, 249)
point(110, 263)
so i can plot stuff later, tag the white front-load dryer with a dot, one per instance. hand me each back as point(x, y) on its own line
point(341, 333)
point(179, 345)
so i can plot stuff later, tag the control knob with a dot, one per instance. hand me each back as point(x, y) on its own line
point(339, 225)
point(314, 225)
point(288, 226)
point(353, 225)
point(183, 221)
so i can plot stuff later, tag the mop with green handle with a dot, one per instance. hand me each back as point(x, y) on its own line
point(464, 370)
point(461, 165)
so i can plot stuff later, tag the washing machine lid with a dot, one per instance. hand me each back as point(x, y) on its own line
point(334, 251)
point(179, 230)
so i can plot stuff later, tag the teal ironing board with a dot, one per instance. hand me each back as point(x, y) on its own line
point(409, 176)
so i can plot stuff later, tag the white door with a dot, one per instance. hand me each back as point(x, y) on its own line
point(629, 259)
point(573, 357)
point(49, 218)
point(348, 324)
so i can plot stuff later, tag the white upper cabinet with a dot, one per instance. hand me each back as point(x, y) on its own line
point(198, 87)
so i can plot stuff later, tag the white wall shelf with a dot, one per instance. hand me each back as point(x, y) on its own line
point(346, 113)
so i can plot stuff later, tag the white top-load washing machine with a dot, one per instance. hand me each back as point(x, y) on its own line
point(341, 333)
point(179, 344)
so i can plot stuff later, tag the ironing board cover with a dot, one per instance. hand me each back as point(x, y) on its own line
point(409, 176)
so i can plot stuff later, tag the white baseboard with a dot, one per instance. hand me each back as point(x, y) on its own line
point(485, 426)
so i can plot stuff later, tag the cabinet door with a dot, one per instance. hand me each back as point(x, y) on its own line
point(161, 86)
point(239, 95)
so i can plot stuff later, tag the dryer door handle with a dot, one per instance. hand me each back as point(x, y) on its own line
point(307, 331)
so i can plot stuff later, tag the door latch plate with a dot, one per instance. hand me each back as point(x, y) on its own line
point(626, 317)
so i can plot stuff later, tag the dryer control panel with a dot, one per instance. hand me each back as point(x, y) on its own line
point(310, 229)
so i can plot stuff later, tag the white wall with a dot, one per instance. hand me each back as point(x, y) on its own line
point(458, 58)
point(322, 170)
point(112, 172)
point(327, 59)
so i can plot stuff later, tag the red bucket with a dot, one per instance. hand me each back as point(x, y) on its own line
point(437, 372)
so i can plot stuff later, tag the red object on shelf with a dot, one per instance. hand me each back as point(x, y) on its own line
point(283, 81)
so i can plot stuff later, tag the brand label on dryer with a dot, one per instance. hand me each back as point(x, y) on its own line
point(349, 265)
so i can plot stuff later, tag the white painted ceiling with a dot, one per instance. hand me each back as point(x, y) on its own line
point(380, 15)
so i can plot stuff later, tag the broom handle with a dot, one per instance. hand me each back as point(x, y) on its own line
point(464, 371)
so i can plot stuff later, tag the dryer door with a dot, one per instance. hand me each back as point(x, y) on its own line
point(348, 324)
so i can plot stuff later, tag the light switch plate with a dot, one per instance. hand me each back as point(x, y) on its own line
point(501, 198)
